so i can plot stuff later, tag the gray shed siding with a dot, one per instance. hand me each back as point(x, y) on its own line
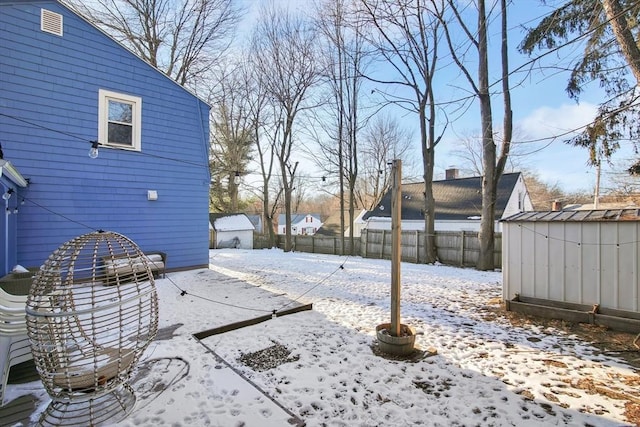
point(583, 262)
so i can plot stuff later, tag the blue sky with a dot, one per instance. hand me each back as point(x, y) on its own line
point(541, 109)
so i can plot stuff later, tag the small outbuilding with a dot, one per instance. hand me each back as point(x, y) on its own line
point(230, 231)
point(581, 266)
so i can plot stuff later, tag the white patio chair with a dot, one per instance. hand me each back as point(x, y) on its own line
point(14, 341)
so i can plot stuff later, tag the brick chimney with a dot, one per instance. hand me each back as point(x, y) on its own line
point(451, 174)
point(556, 205)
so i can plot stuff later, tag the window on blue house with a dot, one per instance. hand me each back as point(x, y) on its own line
point(119, 123)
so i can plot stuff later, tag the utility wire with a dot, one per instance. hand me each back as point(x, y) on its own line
point(36, 125)
point(341, 267)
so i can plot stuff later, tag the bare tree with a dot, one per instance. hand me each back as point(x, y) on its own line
point(344, 59)
point(468, 151)
point(232, 138)
point(492, 167)
point(405, 33)
point(542, 194)
point(383, 141)
point(182, 38)
point(265, 126)
point(285, 58)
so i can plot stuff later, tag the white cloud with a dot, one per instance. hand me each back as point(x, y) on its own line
point(541, 144)
point(546, 122)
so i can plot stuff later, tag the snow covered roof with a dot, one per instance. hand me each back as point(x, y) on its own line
point(230, 222)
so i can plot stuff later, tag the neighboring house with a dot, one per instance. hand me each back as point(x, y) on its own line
point(230, 231)
point(331, 226)
point(458, 203)
point(301, 224)
point(576, 263)
point(63, 84)
point(256, 220)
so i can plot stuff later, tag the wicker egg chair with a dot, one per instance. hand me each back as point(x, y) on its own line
point(89, 325)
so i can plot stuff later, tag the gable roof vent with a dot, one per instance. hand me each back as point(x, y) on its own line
point(51, 22)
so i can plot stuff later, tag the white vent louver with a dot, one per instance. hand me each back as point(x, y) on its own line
point(51, 22)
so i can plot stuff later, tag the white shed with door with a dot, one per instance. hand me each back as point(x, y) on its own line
point(582, 258)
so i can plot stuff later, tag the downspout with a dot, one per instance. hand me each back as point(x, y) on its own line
point(6, 226)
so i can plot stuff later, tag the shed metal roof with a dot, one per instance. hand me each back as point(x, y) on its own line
point(594, 215)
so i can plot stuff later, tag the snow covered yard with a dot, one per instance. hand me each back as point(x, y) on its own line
point(486, 372)
point(320, 365)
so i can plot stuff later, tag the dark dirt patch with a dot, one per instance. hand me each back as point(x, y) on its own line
point(555, 363)
point(436, 388)
point(268, 358)
point(416, 356)
point(632, 412)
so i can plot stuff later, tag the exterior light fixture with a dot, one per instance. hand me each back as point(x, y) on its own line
point(236, 179)
point(7, 195)
point(93, 151)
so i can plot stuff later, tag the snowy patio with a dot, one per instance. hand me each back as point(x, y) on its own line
point(318, 366)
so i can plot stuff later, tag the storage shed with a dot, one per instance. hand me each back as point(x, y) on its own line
point(230, 231)
point(578, 265)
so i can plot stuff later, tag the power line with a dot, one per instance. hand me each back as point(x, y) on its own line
point(340, 267)
point(184, 292)
point(96, 144)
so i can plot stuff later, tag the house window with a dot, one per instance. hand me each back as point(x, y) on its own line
point(119, 120)
point(520, 201)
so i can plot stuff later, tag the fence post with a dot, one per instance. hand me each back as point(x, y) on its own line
point(382, 246)
point(365, 235)
point(462, 248)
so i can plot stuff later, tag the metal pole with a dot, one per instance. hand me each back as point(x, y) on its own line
point(396, 228)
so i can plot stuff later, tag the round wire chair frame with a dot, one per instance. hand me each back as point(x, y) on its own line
point(91, 312)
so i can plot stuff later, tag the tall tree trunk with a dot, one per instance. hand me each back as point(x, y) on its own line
point(429, 208)
point(287, 214)
point(507, 122)
point(487, 222)
point(428, 161)
point(620, 26)
point(233, 192)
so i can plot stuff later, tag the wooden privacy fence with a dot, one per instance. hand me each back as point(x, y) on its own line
point(459, 248)
point(452, 247)
point(312, 244)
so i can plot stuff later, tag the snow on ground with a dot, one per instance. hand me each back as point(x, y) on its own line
point(485, 372)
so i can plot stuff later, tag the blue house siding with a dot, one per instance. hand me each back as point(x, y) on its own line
point(48, 114)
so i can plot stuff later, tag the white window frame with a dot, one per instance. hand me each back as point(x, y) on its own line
point(104, 96)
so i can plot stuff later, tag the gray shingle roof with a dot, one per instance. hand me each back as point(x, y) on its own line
point(455, 199)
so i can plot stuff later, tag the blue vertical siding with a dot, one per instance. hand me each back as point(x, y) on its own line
point(53, 82)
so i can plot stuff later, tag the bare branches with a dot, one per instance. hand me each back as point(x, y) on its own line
point(285, 59)
point(182, 38)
